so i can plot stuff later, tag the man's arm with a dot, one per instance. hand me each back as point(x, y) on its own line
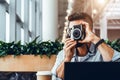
point(106, 51)
point(59, 59)
point(60, 69)
point(68, 52)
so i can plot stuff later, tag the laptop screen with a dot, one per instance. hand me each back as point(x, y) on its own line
point(92, 71)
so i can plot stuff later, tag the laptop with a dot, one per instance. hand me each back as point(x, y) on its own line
point(92, 71)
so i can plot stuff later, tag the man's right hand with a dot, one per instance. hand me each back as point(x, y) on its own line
point(69, 48)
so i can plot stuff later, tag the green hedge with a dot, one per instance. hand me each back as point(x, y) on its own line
point(40, 48)
point(35, 48)
point(114, 44)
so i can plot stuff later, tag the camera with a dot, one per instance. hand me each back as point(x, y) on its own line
point(77, 32)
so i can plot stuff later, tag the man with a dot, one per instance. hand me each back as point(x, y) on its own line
point(92, 47)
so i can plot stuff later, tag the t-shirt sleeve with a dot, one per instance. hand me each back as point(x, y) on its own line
point(116, 56)
point(58, 61)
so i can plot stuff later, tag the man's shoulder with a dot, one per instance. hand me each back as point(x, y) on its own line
point(61, 53)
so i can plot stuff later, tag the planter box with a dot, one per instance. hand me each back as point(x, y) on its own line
point(26, 63)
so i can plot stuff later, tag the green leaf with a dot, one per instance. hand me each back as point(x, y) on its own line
point(34, 47)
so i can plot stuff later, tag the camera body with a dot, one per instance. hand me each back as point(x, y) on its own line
point(77, 32)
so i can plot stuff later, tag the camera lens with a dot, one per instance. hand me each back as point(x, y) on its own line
point(77, 33)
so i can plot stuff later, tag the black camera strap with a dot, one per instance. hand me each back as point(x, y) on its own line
point(76, 52)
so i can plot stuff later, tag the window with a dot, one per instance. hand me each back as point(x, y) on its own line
point(21, 21)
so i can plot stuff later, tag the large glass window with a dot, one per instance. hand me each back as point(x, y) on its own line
point(20, 20)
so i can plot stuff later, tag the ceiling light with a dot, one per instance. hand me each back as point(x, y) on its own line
point(101, 1)
point(94, 11)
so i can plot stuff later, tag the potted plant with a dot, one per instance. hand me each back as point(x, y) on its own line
point(32, 56)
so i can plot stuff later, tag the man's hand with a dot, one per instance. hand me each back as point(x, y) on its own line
point(106, 51)
point(90, 36)
point(69, 48)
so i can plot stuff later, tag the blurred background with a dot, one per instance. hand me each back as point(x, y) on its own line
point(26, 19)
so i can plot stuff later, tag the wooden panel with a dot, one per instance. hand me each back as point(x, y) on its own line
point(26, 63)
